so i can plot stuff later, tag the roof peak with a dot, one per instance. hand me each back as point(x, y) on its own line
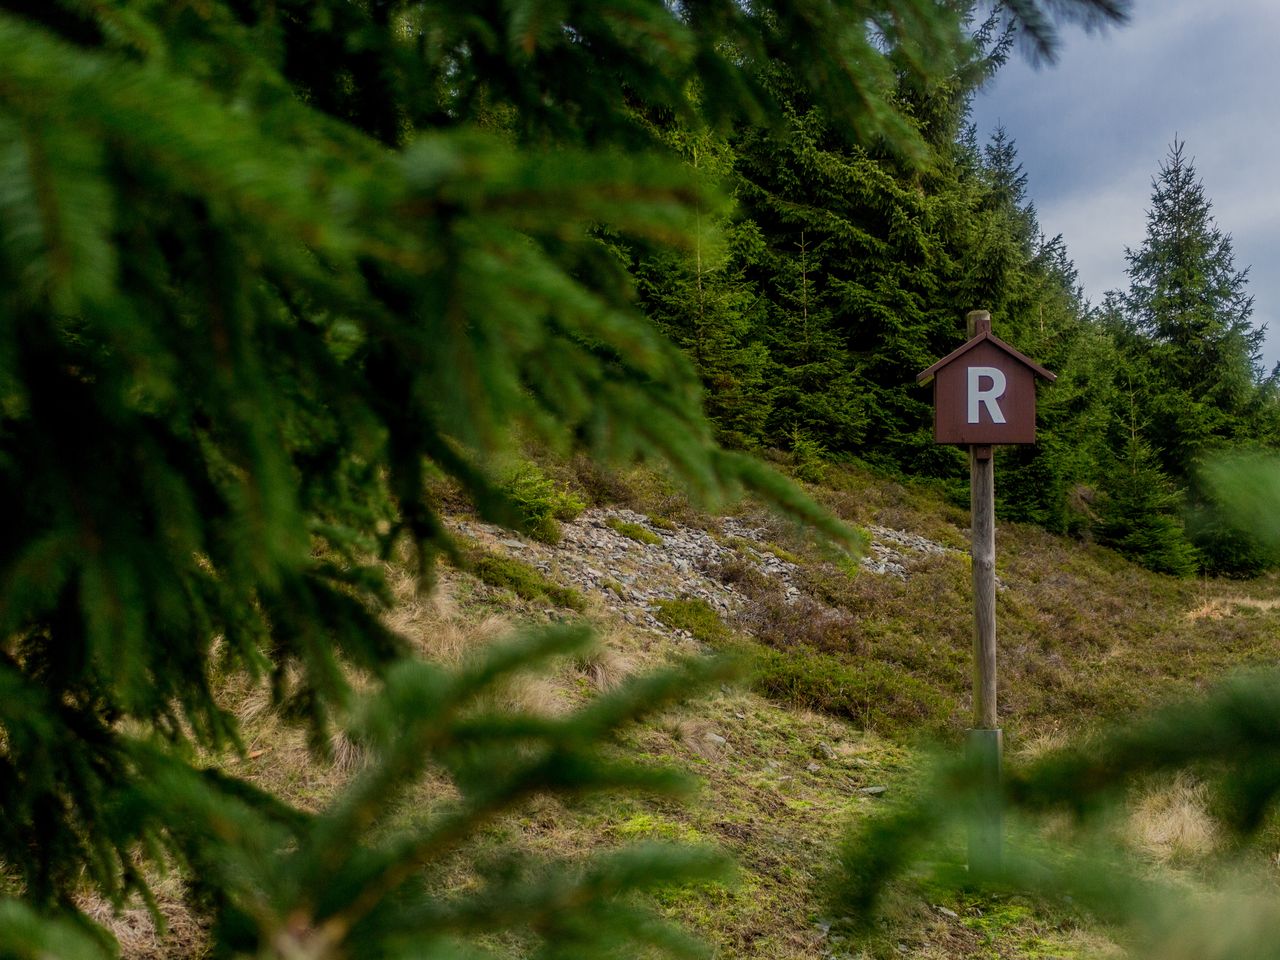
point(985, 336)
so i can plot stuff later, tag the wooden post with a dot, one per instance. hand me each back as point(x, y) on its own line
point(982, 549)
point(984, 393)
point(985, 739)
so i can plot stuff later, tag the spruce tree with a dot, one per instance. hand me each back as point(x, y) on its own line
point(263, 265)
point(1195, 351)
point(1190, 305)
point(703, 301)
point(1140, 513)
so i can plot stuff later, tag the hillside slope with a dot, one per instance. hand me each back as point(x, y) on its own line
point(848, 667)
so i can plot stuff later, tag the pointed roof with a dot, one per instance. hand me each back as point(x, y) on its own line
point(987, 337)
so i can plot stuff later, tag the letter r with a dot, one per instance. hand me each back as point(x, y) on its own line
point(987, 397)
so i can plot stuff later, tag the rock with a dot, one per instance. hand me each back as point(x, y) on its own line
point(873, 791)
point(715, 738)
point(947, 913)
point(826, 750)
point(813, 767)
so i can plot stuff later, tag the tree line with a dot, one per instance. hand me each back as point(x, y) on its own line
point(841, 270)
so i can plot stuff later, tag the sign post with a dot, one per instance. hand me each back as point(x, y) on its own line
point(984, 394)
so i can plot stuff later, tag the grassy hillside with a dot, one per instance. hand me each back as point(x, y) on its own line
point(848, 668)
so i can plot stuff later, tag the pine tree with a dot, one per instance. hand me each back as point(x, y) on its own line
point(702, 299)
point(1140, 514)
point(262, 265)
point(1189, 336)
point(1189, 304)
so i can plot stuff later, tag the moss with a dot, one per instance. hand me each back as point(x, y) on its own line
point(634, 531)
point(522, 580)
point(696, 616)
point(783, 554)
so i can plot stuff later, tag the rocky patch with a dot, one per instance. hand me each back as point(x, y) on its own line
point(633, 577)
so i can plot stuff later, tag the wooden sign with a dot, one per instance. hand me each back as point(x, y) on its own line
point(984, 393)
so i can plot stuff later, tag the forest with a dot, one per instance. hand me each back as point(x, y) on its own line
point(285, 282)
point(843, 270)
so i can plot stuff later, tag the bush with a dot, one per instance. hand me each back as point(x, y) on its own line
point(696, 616)
point(522, 580)
point(810, 458)
point(876, 696)
point(540, 502)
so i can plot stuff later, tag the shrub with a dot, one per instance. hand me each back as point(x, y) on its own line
point(522, 580)
point(877, 696)
point(810, 458)
point(696, 616)
point(540, 502)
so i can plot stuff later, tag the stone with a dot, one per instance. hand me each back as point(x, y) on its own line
point(873, 791)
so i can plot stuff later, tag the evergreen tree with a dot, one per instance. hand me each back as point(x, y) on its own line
point(262, 263)
point(702, 299)
point(1140, 513)
point(1033, 284)
point(858, 264)
point(1195, 353)
point(1190, 307)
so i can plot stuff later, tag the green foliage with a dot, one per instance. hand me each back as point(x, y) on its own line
point(268, 266)
point(875, 695)
point(1234, 523)
point(1248, 488)
point(1184, 325)
point(809, 456)
point(521, 579)
point(1061, 810)
point(635, 531)
point(1140, 515)
point(539, 501)
point(1061, 814)
point(696, 616)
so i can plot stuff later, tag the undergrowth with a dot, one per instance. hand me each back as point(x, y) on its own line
point(521, 579)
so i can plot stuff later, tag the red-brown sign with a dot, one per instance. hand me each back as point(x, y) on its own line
point(985, 393)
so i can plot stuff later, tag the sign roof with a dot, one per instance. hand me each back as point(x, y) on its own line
point(986, 337)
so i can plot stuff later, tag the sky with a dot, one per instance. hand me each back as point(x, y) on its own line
point(1092, 129)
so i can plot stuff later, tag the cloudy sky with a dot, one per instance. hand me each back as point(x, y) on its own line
point(1093, 128)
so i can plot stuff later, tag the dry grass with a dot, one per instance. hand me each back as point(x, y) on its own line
point(1171, 823)
point(1083, 635)
point(1039, 743)
point(1218, 608)
point(607, 665)
point(437, 627)
point(136, 931)
point(700, 737)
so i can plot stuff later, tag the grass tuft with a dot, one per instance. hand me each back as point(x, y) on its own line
point(634, 531)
